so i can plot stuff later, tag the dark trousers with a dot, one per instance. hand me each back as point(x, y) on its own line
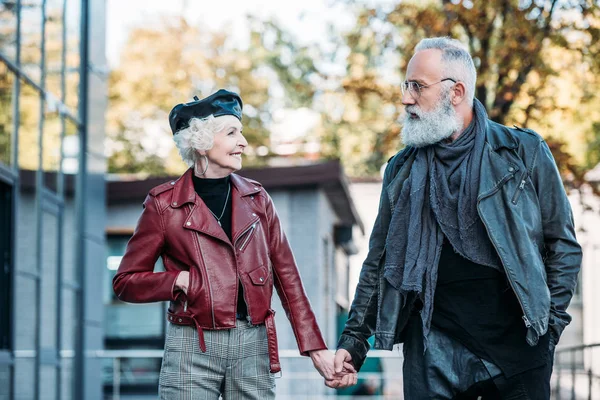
point(448, 370)
point(529, 385)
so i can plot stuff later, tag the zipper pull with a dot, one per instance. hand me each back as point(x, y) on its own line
point(522, 185)
point(527, 323)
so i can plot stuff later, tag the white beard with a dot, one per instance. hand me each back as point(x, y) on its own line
point(431, 126)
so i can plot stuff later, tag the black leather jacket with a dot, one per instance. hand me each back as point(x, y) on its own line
point(525, 210)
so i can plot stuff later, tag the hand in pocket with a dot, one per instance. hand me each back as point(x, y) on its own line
point(183, 281)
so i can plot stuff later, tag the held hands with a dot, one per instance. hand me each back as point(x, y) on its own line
point(344, 376)
point(183, 281)
point(337, 370)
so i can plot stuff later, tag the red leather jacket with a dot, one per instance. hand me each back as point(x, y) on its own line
point(177, 226)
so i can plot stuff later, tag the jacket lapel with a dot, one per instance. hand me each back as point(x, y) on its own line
point(199, 219)
point(243, 216)
point(495, 169)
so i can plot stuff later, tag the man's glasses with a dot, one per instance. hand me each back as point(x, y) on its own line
point(415, 88)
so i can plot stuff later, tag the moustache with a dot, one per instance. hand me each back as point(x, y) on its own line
point(412, 109)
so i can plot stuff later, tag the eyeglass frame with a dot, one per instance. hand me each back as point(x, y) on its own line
point(419, 87)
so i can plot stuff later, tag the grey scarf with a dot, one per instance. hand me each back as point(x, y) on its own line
point(439, 198)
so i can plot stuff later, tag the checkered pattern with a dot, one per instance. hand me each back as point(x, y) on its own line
point(235, 365)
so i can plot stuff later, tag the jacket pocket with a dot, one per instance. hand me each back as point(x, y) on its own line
point(259, 276)
point(193, 287)
point(520, 188)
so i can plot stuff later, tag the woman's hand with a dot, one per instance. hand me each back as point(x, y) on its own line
point(323, 361)
point(183, 281)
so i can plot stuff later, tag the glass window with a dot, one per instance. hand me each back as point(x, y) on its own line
point(54, 47)
point(7, 82)
point(125, 320)
point(6, 257)
point(31, 38)
point(29, 126)
point(70, 148)
point(51, 140)
point(73, 21)
point(8, 28)
point(49, 271)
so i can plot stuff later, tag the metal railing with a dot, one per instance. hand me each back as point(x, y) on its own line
point(118, 374)
point(577, 372)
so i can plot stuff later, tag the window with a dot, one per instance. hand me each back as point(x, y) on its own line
point(124, 321)
point(5, 264)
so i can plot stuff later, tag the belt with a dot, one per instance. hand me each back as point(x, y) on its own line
point(189, 321)
point(274, 364)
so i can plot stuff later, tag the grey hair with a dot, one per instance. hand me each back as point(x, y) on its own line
point(198, 136)
point(456, 60)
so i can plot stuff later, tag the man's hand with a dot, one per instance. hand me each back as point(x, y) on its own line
point(345, 373)
point(183, 281)
point(323, 361)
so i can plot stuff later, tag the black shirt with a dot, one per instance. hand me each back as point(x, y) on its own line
point(214, 193)
point(476, 305)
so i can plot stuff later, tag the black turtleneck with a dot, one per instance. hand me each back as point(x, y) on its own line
point(213, 193)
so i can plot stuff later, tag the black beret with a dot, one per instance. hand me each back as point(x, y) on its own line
point(223, 102)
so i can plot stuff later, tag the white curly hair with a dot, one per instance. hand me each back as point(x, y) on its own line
point(198, 136)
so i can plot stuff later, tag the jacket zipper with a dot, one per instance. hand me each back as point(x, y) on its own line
point(508, 276)
point(205, 277)
point(520, 189)
point(240, 282)
point(248, 237)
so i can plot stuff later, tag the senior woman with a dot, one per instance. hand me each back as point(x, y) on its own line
point(223, 249)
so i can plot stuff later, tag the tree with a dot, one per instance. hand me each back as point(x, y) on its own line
point(172, 62)
point(519, 48)
point(166, 65)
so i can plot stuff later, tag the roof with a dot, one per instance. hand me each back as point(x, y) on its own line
point(328, 176)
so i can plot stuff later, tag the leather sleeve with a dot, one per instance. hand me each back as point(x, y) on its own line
point(362, 318)
point(563, 255)
point(289, 286)
point(136, 281)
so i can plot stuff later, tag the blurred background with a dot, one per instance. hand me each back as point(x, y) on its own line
point(85, 90)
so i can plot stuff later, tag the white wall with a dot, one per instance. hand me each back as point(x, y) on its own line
point(586, 211)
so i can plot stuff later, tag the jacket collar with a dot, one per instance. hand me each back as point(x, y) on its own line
point(499, 136)
point(495, 169)
point(184, 192)
point(245, 186)
point(200, 218)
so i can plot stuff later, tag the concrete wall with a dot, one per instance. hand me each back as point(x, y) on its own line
point(26, 299)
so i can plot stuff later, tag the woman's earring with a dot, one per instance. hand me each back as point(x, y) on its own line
point(205, 168)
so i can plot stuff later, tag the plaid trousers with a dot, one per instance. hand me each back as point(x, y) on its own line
point(235, 365)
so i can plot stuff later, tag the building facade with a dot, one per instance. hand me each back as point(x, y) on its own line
point(52, 99)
